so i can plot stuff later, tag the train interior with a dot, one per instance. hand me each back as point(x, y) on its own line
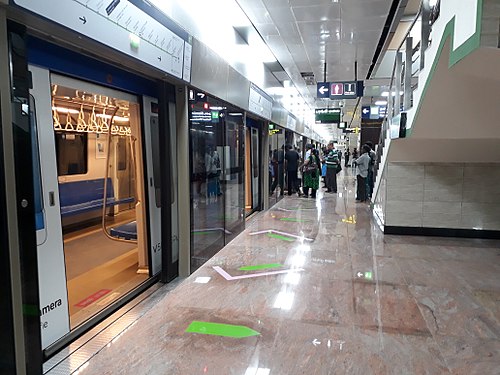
point(101, 193)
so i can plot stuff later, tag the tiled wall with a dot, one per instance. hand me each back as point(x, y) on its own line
point(455, 196)
point(490, 24)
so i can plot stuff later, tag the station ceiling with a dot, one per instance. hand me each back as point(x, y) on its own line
point(304, 34)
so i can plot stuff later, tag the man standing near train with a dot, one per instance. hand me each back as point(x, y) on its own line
point(332, 162)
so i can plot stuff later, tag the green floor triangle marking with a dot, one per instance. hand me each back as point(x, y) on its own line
point(260, 267)
point(218, 329)
point(272, 235)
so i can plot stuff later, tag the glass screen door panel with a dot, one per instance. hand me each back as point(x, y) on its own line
point(255, 168)
point(234, 178)
point(207, 181)
point(248, 173)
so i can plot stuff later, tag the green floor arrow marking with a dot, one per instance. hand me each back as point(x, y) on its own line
point(218, 329)
point(293, 219)
point(260, 267)
point(272, 235)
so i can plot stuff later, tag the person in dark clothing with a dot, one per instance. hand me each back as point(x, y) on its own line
point(347, 154)
point(332, 162)
point(354, 156)
point(311, 179)
point(292, 164)
point(279, 157)
point(363, 164)
point(369, 179)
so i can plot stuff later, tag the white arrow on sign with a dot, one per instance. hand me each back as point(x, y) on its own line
point(360, 274)
point(366, 111)
point(201, 95)
point(316, 342)
point(323, 90)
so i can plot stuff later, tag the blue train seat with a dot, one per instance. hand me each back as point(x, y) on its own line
point(127, 231)
point(78, 197)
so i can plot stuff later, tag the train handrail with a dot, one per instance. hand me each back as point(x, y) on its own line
point(103, 221)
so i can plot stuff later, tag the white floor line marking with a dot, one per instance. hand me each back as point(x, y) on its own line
point(260, 232)
point(228, 277)
point(291, 235)
point(281, 233)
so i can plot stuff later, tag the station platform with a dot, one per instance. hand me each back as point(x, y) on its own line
point(314, 287)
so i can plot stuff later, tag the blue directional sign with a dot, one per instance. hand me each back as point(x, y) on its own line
point(340, 90)
point(373, 112)
point(365, 112)
point(323, 90)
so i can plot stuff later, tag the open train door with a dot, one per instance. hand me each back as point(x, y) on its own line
point(159, 143)
point(153, 190)
point(54, 310)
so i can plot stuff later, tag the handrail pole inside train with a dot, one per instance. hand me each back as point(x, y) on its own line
point(103, 219)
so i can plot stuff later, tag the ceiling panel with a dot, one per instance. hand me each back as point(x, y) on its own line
point(289, 32)
point(316, 13)
point(266, 29)
point(364, 9)
point(295, 3)
point(363, 24)
point(308, 30)
point(281, 14)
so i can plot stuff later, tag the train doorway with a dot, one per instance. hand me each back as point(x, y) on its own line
point(92, 229)
point(252, 165)
point(99, 167)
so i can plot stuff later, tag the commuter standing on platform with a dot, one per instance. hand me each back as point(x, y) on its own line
point(292, 165)
point(332, 162)
point(279, 178)
point(311, 170)
point(347, 154)
point(354, 156)
point(363, 164)
point(369, 179)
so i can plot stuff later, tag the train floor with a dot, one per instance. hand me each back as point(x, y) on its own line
point(98, 271)
point(314, 287)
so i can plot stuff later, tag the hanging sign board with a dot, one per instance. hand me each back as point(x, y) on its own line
point(327, 115)
point(340, 90)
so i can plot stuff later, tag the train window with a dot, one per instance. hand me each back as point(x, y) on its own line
point(71, 149)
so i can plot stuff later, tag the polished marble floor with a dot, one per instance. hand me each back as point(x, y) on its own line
point(324, 292)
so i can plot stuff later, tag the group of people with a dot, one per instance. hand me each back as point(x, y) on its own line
point(315, 165)
point(311, 169)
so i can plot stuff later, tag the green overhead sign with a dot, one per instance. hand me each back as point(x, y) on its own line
point(328, 115)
